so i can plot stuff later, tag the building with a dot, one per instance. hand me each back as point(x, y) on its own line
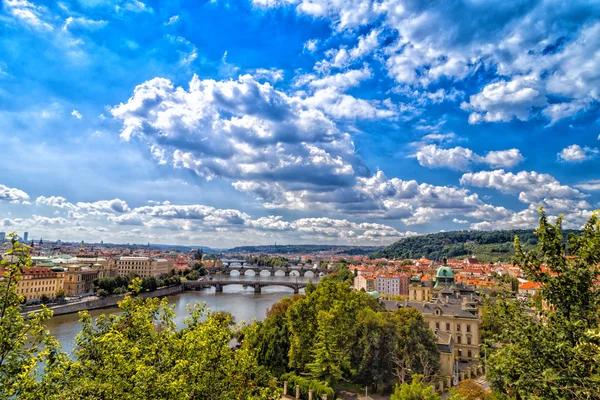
point(445, 344)
point(392, 284)
point(419, 291)
point(143, 266)
point(25, 236)
point(365, 282)
point(449, 309)
point(2, 237)
point(78, 279)
point(40, 281)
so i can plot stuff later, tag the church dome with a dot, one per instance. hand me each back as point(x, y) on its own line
point(444, 277)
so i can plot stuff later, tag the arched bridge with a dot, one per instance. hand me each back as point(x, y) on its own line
point(257, 285)
point(286, 270)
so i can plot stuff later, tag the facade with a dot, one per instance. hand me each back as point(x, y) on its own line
point(364, 282)
point(40, 281)
point(446, 347)
point(78, 279)
point(392, 284)
point(144, 267)
point(420, 291)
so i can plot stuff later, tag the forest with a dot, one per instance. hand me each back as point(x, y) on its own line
point(487, 246)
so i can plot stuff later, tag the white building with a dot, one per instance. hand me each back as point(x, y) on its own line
point(143, 266)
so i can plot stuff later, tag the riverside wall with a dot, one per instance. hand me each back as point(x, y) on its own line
point(110, 301)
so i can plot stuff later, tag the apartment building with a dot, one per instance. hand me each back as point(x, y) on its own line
point(143, 266)
point(40, 281)
point(392, 284)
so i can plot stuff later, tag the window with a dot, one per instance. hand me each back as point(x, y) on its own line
point(468, 340)
point(468, 328)
point(437, 325)
point(458, 339)
point(458, 327)
point(447, 326)
point(469, 354)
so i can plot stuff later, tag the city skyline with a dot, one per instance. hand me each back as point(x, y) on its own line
point(295, 121)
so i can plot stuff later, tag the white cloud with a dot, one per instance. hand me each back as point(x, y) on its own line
point(460, 221)
point(105, 206)
point(172, 20)
point(591, 185)
point(56, 201)
point(576, 153)
point(462, 159)
point(271, 75)
point(76, 114)
point(28, 13)
point(504, 100)
point(533, 188)
point(83, 23)
point(12, 194)
point(311, 45)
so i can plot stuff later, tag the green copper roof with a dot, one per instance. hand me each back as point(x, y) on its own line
point(444, 272)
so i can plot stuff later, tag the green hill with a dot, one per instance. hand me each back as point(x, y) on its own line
point(487, 246)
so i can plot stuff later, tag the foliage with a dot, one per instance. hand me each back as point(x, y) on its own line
point(469, 390)
point(319, 388)
point(200, 269)
point(335, 334)
point(24, 344)
point(60, 294)
point(416, 390)
point(193, 275)
point(488, 246)
point(553, 353)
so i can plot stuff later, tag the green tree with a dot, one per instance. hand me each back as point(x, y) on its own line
point(328, 359)
point(24, 344)
point(553, 353)
point(469, 390)
point(416, 349)
point(416, 390)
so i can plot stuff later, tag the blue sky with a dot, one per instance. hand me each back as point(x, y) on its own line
point(293, 121)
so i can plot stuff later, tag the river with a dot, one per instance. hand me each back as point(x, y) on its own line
point(241, 302)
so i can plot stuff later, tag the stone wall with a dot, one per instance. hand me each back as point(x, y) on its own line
point(110, 301)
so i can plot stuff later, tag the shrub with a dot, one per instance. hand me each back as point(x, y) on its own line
point(319, 388)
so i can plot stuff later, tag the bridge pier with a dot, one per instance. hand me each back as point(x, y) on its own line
point(219, 288)
point(257, 289)
point(296, 290)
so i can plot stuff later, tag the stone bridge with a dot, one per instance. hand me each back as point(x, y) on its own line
point(257, 285)
point(286, 270)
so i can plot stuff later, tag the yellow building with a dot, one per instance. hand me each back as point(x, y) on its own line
point(143, 266)
point(40, 281)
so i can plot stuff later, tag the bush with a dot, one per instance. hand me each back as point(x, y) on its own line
point(101, 293)
point(319, 388)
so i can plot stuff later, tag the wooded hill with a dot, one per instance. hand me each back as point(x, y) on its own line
point(487, 246)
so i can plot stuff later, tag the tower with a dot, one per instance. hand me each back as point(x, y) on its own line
point(25, 236)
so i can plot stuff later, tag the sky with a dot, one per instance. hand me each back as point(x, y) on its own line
point(223, 123)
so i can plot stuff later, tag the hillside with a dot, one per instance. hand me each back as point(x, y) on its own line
point(305, 248)
point(487, 246)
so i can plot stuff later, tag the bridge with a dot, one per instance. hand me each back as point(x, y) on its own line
point(218, 284)
point(286, 270)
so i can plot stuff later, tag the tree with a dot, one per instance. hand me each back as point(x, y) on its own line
point(469, 390)
point(24, 345)
point(328, 359)
point(416, 349)
point(553, 353)
point(416, 390)
point(60, 294)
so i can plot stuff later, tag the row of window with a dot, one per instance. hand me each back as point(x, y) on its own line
point(36, 282)
point(35, 290)
point(437, 326)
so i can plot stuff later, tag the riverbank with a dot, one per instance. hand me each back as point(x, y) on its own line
point(105, 302)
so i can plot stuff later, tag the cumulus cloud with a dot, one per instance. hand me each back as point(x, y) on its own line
point(76, 114)
point(543, 68)
point(12, 194)
point(105, 206)
point(241, 130)
point(533, 188)
point(576, 153)
point(462, 159)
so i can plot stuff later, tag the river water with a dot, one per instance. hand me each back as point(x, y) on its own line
point(241, 302)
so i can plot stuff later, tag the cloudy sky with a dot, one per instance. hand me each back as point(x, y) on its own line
point(238, 122)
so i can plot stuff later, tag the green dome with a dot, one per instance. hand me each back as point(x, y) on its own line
point(58, 269)
point(444, 277)
point(444, 272)
point(415, 279)
point(374, 294)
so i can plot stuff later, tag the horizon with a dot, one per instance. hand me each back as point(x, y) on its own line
point(340, 123)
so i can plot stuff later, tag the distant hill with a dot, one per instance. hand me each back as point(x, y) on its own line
point(306, 248)
point(487, 246)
